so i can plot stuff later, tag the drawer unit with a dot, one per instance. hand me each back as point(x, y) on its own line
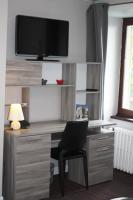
point(31, 149)
point(100, 152)
point(27, 171)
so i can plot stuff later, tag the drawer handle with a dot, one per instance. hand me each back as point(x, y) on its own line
point(34, 140)
point(103, 138)
point(103, 149)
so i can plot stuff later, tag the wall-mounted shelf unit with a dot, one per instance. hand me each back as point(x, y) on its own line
point(78, 78)
point(88, 87)
point(15, 76)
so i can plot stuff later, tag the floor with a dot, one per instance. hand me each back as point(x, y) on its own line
point(121, 186)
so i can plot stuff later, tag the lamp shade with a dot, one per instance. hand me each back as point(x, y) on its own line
point(15, 112)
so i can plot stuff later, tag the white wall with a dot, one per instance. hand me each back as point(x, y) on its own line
point(45, 104)
point(3, 31)
point(113, 1)
point(112, 67)
point(72, 10)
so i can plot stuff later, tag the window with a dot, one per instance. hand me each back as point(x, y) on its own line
point(125, 108)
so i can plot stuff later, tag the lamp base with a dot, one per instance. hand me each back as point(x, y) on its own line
point(15, 125)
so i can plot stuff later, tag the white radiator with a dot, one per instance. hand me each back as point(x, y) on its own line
point(123, 150)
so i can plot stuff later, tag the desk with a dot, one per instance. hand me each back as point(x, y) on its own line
point(27, 158)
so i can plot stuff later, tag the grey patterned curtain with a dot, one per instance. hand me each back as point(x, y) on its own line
point(97, 30)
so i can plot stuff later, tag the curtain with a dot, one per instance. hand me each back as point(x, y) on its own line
point(97, 30)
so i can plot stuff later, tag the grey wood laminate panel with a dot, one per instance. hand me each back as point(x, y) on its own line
point(97, 141)
point(68, 94)
point(94, 107)
point(100, 160)
point(39, 128)
point(23, 73)
point(28, 176)
point(34, 195)
point(94, 82)
point(26, 99)
point(32, 143)
point(104, 174)
point(93, 73)
point(99, 153)
point(24, 186)
point(8, 168)
point(55, 126)
point(31, 171)
point(32, 157)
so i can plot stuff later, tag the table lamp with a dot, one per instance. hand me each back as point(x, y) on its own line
point(15, 115)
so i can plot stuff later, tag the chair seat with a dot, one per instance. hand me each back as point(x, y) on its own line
point(55, 153)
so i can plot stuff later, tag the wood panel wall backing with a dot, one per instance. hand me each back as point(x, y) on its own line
point(68, 94)
point(21, 73)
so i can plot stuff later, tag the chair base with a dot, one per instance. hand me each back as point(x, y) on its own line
point(62, 157)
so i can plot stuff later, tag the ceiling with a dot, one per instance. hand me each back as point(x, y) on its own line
point(119, 11)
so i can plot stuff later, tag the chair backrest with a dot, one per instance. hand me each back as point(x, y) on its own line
point(74, 136)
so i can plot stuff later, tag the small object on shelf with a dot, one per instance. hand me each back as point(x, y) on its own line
point(82, 112)
point(60, 82)
point(44, 81)
point(91, 90)
point(24, 124)
point(15, 115)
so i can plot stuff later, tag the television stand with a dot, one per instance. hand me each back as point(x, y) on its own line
point(42, 58)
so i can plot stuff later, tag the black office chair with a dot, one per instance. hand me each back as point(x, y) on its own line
point(71, 147)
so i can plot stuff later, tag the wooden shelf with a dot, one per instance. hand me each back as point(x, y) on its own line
point(93, 63)
point(55, 85)
point(87, 92)
point(22, 104)
point(47, 85)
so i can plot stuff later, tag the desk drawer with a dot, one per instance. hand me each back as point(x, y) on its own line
point(32, 189)
point(33, 143)
point(100, 140)
point(98, 176)
point(32, 171)
point(30, 157)
point(33, 149)
point(101, 153)
point(32, 181)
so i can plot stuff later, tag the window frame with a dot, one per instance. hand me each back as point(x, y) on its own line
point(122, 112)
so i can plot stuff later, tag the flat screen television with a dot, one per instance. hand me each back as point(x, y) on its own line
point(41, 37)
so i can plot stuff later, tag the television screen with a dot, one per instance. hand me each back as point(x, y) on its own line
point(41, 36)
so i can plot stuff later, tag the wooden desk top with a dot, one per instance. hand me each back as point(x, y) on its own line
point(51, 127)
